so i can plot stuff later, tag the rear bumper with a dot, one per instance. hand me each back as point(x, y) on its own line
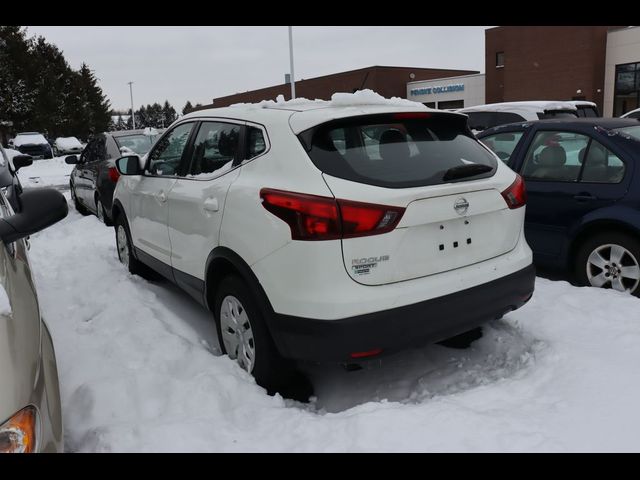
point(403, 327)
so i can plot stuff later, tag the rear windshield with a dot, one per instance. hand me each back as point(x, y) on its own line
point(557, 114)
point(633, 131)
point(399, 151)
point(479, 121)
point(139, 144)
point(589, 112)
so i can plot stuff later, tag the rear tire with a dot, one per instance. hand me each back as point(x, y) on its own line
point(244, 337)
point(102, 213)
point(76, 203)
point(609, 260)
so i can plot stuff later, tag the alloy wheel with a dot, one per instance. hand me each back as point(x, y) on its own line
point(613, 266)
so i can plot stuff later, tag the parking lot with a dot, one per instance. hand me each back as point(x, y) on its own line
point(140, 370)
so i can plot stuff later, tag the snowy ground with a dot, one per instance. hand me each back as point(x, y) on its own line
point(51, 172)
point(141, 370)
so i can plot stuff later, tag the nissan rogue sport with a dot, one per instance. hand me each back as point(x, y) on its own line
point(324, 232)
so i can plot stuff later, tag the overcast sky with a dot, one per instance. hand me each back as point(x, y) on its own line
point(201, 63)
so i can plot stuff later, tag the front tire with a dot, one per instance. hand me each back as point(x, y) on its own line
point(244, 337)
point(610, 260)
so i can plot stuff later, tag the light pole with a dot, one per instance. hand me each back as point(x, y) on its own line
point(292, 79)
point(133, 117)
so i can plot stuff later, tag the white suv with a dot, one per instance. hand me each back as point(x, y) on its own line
point(326, 232)
point(482, 117)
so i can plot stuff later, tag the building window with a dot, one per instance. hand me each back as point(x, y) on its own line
point(627, 88)
point(499, 59)
point(451, 104)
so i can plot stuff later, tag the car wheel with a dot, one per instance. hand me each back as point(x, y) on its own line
point(244, 337)
point(102, 214)
point(76, 203)
point(610, 260)
point(124, 248)
point(463, 340)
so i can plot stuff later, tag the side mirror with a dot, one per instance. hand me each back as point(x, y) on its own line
point(39, 208)
point(71, 160)
point(20, 161)
point(129, 165)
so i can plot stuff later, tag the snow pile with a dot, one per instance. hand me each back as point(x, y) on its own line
point(53, 172)
point(359, 98)
point(369, 97)
point(140, 371)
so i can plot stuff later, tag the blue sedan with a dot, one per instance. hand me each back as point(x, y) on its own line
point(583, 186)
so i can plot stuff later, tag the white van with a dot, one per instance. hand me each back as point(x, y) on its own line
point(482, 117)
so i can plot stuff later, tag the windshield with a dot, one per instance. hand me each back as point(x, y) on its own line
point(633, 131)
point(398, 151)
point(139, 144)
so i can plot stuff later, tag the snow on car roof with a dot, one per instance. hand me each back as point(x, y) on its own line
point(534, 105)
point(30, 138)
point(303, 113)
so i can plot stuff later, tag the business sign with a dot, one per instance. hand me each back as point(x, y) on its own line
point(454, 87)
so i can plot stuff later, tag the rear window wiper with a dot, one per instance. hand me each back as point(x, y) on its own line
point(463, 171)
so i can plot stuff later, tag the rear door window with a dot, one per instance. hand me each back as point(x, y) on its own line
point(555, 156)
point(256, 143)
point(399, 151)
point(601, 165)
point(215, 148)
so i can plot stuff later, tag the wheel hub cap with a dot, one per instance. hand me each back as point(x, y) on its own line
point(123, 246)
point(237, 333)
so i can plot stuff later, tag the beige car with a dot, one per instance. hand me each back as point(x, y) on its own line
point(30, 413)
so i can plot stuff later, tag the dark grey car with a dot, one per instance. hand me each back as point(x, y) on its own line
point(94, 178)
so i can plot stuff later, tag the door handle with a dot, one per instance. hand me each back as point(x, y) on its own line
point(161, 196)
point(584, 197)
point(211, 204)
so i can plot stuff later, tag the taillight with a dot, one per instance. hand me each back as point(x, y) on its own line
point(312, 217)
point(516, 194)
point(114, 175)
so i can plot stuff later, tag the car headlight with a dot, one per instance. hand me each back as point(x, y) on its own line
point(18, 434)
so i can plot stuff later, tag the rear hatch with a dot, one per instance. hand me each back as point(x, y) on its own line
point(430, 165)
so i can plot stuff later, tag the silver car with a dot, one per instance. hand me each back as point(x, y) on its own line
point(30, 412)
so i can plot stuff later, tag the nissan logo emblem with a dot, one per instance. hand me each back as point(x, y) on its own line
point(461, 206)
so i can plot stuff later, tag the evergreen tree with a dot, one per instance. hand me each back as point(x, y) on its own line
point(40, 91)
point(16, 94)
point(187, 108)
point(169, 114)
